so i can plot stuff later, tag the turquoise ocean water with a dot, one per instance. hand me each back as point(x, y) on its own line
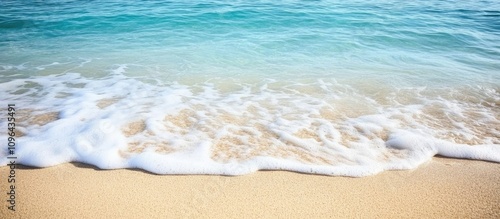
point(231, 87)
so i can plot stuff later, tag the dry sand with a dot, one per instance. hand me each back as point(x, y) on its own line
point(440, 188)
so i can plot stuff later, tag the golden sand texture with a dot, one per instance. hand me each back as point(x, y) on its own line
point(442, 188)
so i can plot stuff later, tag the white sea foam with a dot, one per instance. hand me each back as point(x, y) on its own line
point(320, 127)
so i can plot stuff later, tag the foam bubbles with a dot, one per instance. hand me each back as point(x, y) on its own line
point(318, 127)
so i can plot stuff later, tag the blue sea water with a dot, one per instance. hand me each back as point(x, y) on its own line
point(330, 87)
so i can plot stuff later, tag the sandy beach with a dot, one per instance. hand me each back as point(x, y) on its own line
point(443, 187)
point(302, 100)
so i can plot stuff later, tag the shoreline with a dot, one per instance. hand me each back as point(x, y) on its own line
point(442, 187)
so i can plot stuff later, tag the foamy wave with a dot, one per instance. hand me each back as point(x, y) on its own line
point(319, 127)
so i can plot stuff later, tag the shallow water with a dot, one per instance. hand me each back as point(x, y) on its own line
point(220, 87)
